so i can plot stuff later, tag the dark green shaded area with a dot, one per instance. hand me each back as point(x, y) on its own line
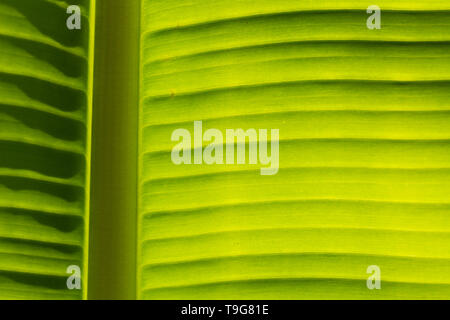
point(44, 122)
point(112, 266)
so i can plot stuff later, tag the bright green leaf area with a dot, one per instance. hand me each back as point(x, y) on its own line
point(364, 150)
point(45, 95)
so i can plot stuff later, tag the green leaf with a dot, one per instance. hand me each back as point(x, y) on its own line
point(45, 107)
point(364, 150)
